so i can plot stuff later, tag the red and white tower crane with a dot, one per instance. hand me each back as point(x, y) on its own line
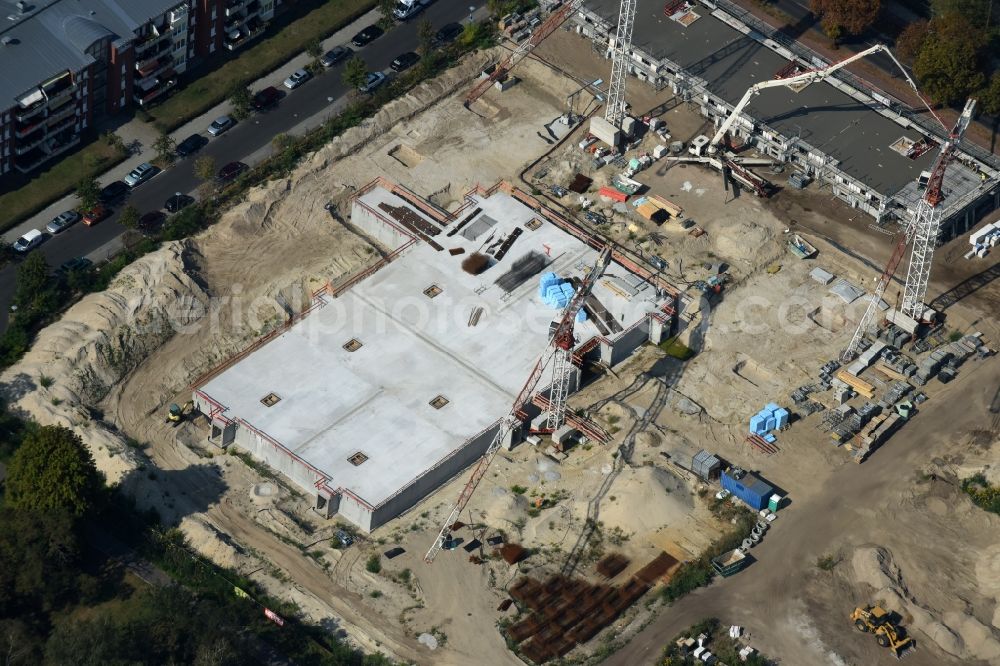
point(924, 232)
point(621, 54)
point(558, 357)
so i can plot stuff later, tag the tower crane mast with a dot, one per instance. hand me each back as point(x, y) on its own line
point(923, 231)
point(614, 113)
point(559, 355)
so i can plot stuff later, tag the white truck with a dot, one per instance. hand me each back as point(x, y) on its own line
point(407, 9)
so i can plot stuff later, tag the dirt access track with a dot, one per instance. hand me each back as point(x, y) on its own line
point(119, 358)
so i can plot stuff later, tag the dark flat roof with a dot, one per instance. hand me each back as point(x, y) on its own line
point(828, 119)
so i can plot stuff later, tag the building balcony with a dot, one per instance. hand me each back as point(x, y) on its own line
point(22, 132)
point(68, 111)
point(29, 144)
point(61, 97)
point(60, 122)
point(60, 144)
point(144, 97)
point(234, 7)
point(30, 112)
point(253, 28)
point(30, 161)
point(153, 67)
point(178, 15)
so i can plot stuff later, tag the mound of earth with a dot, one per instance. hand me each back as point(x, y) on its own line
point(663, 498)
point(958, 634)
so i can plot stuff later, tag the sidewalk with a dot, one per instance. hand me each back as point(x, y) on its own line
point(145, 135)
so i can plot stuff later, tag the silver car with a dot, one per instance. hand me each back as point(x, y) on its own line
point(62, 222)
point(220, 125)
point(297, 78)
point(140, 174)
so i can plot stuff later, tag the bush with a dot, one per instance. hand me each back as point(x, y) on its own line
point(374, 564)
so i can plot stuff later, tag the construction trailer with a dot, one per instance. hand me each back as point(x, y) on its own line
point(395, 380)
point(709, 52)
point(748, 487)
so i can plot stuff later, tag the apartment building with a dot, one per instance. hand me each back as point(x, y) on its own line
point(66, 63)
point(868, 149)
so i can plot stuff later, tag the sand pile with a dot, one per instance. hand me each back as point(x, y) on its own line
point(98, 342)
point(504, 508)
point(211, 543)
point(956, 633)
point(661, 495)
point(743, 242)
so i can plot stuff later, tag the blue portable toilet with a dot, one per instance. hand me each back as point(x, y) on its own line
point(781, 418)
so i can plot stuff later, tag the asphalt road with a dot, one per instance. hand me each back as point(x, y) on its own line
point(313, 99)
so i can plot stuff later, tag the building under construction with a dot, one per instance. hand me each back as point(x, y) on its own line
point(868, 147)
point(394, 381)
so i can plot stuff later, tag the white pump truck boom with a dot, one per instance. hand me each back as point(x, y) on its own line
point(797, 82)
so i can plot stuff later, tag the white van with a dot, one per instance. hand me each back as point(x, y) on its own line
point(29, 241)
point(406, 9)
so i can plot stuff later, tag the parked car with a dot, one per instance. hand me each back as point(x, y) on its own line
point(113, 191)
point(96, 214)
point(29, 241)
point(448, 33)
point(335, 55)
point(297, 78)
point(367, 36)
point(62, 222)
point(151, 222)
point(190, 145)
point(266, 98)
point(231, 171)
point(75, 265)
point(220, 125)
point(140, 174)
point(407, 9)
point(404, 61)
point(374, 80)
point(178, 202)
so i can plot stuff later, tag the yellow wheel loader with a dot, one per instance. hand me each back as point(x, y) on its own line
point(876, 620)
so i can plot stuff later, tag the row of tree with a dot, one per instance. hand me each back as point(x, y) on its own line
point(952, 52)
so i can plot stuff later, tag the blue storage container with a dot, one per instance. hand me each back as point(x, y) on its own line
point(757, 424)
point(781, 417)
point(753, 491)
point(769, 424)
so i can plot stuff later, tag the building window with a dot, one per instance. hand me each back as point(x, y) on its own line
point(357, 458)
point(432, 291)
point(439, 401)
point(352, 345)
point(270, 400)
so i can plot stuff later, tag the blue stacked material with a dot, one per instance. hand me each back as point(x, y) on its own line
point(769, 424)
point(771, 407)
point(555, 296)
point(748, 487)
point(781, 417)
point(770, 439)
point(581, 316)
point(547, 280)
point(757, 424)
point(772, 417)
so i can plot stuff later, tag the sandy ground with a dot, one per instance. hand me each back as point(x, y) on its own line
point(118, 359)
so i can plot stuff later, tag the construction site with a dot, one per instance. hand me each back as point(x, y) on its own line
point(551, 334)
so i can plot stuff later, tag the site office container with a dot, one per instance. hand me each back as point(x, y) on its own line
point(748, 487)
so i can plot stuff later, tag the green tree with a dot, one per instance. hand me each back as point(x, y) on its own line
point(204, 168)
point(978, 12)
point(53, 470)
point(910, 41)
point(129, 217)
point(425, 36)
point(164, 147)
point(39, 552)
point(355, 73)
point(948, 65)
point(88, 191)
point(281, 141)
point(989, 97)
point(385, 8)
point(34, 291)
point(845, 17)
point(241, 99)
point(314, 48)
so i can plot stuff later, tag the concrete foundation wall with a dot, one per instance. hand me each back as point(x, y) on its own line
point(620, 348)
point(366, 220)
point(432, 480)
